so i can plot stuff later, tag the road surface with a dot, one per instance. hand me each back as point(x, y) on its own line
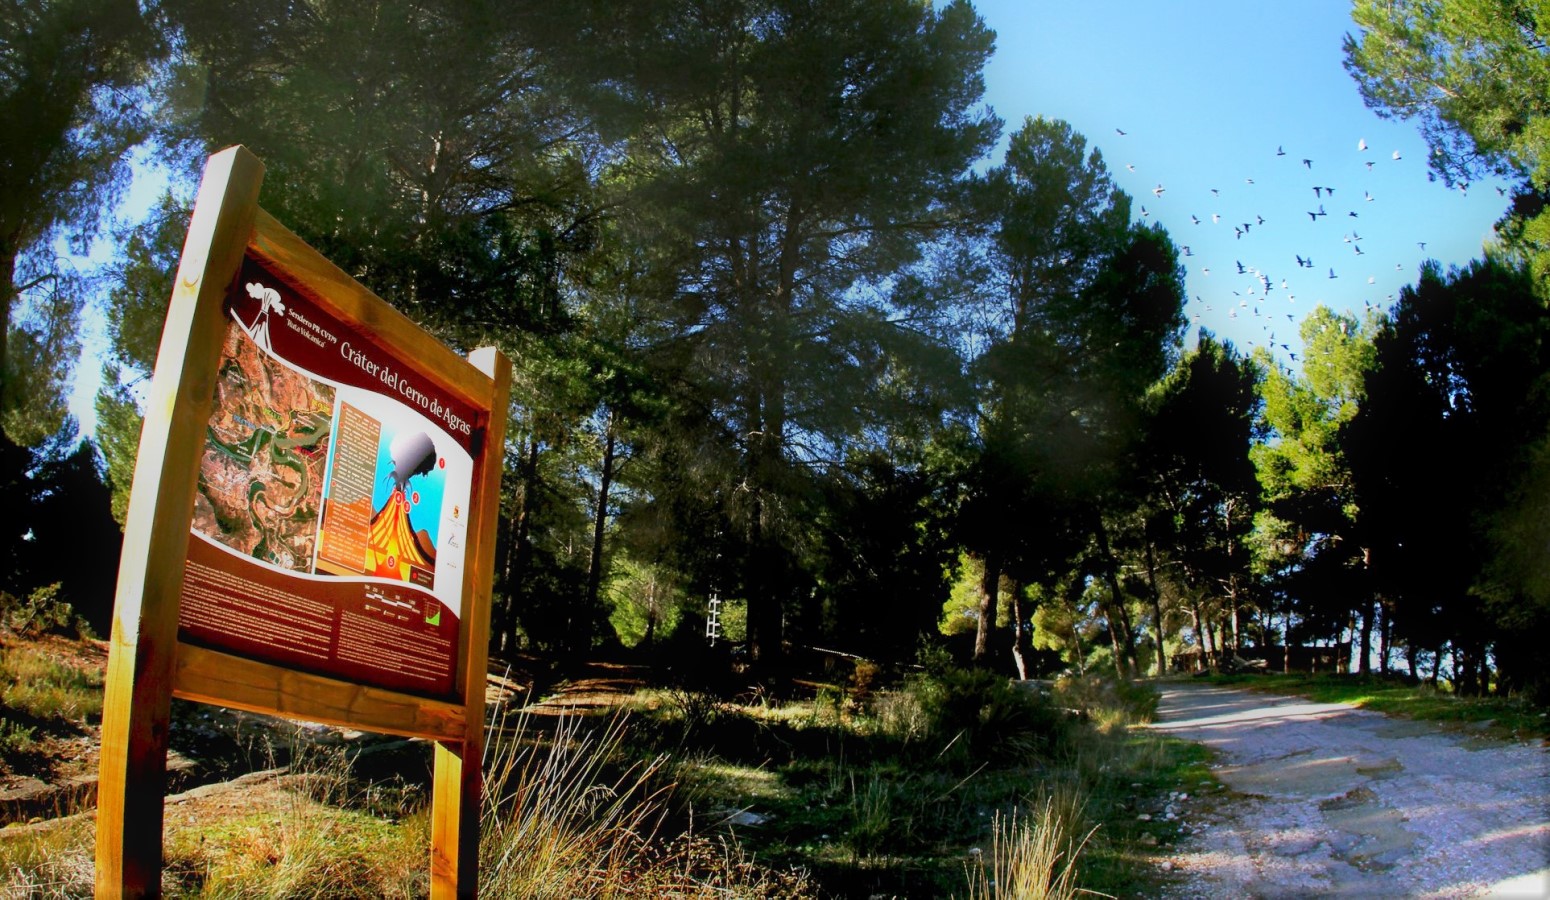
point(1323, 799)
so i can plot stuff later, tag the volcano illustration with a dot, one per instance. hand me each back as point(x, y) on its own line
point(394, 548)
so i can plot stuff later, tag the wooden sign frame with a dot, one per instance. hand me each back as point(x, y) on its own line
point(148, 664)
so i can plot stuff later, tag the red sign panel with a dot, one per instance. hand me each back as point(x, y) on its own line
point(330, 527)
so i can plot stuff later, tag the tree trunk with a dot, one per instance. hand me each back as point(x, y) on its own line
point(1366, 649)
point(1385, 638)
point(1120, 628)
point(8, 251)
point(523, 551)
point(1157, 613)
point(990, 588)
point(1019, 633)
point(600, 518)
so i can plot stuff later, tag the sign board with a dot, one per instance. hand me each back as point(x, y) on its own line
point(330, 530)
point(311, 527)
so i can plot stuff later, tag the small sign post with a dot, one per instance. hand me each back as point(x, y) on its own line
point(311, 527)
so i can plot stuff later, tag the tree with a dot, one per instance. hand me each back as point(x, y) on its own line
point(1460, 371)
point(68, 115)
point(784, 160)
point(1199, 488)
point(1305, 479)
point(1053, 220)
point(1476, 75)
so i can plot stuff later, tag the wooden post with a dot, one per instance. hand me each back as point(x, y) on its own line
point(458, 787)
point(141, 656)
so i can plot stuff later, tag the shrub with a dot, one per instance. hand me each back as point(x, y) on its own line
point(969, 714)
point(44, 611)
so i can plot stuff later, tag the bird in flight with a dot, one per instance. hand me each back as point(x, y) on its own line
point(1332, 274)
point(1248, 180)
point(1215, 218)
point(1353, 214)
point(1240, 267)
point(1194, 218)
point(1280, 151)
point(1318, 191)
point(1369, 165)
point(1144, 213)
point(1130, 166)
point(1357, 248)
point(1158, 191)
point(1422, 245)
point(1187, 251)
point(1396, 155)
point(1367, 195)
point(1120, 131)
point(1308, 163)
point(1360, 145)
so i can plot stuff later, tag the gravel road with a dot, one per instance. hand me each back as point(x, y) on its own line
point(1328, 800)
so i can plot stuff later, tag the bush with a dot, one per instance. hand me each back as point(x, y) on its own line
point(969, 714)
point(45, 611)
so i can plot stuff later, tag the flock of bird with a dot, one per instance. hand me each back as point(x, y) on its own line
point(1257, 285)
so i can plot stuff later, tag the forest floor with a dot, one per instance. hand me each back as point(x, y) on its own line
point(1326, 799)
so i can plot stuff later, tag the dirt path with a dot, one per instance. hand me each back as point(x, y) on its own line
point(1329, 800)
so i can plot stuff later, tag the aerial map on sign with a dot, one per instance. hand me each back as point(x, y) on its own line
point(261, 479)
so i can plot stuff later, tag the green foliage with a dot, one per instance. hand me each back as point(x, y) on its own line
point(1461, 371)
point(73, 82)
point(967, 715)
point(647, 602)
point(1475, 75)
point(42, 612)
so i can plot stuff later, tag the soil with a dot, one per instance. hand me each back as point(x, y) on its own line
point(1323, 799)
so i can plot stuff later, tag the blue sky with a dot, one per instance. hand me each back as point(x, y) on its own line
point(1207, 92)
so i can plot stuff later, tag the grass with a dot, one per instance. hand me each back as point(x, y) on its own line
point(42, 694)
point(1035, 857)
point(951, 784)
point(37, 683)
point(925, 789)
point(1506, 717)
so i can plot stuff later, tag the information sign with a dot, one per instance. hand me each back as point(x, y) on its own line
point(330, 530)
point(311, 527)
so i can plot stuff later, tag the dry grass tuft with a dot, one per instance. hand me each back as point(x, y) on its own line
point(1033, 858)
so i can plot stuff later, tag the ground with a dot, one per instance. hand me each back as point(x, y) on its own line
point(1324, 799)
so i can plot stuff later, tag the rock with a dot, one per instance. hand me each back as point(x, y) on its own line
point(747, 818)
